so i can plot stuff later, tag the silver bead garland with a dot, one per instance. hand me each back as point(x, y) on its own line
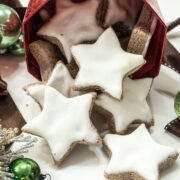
point(7, 138)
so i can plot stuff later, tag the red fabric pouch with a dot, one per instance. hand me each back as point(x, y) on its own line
point(32, 22)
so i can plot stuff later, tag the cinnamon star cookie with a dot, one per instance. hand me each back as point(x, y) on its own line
point(60, 79)
point(137, 156)
point(73, 23)
point(104, 64)
point(64, 122)
point(132, 108)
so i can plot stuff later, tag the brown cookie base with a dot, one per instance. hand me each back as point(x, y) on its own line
point(100, 121)
point(57, 43)
point(124, 176)
point(46, 55)
point(73, 68)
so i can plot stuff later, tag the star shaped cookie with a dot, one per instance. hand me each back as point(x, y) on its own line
point(64, 122)
point(132, 108)
point(104, 64)
point(122, 11)
point(73, 23)
point(136, 156)
point(60, 79)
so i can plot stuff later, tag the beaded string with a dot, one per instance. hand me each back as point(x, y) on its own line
point(8, 137)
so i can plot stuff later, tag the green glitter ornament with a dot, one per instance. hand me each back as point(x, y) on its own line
point(18, 47)
point(25, 169)
point(177, 104)
point(10, 26)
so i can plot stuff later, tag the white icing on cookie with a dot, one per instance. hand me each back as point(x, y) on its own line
point(104, 64)
point(132, 107)
point(122, 10)
point(60, 79)
point(64, 121)
point(137, 153)
point(36, 91)
point(73, 23)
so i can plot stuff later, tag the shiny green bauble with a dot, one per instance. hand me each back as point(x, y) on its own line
point(18, 47)
point(177, 104)
point(25, 169)
point(10, 26)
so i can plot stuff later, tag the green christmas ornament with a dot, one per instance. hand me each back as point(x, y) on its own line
point(10, 26)
point(18, 47)
point(177, 104)
point(25, 169)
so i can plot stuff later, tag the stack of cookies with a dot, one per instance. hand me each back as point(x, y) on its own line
point(89, 51)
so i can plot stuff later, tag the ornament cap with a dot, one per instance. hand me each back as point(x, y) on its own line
point(44, 176)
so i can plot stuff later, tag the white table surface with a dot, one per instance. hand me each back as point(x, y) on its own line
point(89, 162)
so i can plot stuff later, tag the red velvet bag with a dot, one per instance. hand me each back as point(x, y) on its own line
point(32, 22)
